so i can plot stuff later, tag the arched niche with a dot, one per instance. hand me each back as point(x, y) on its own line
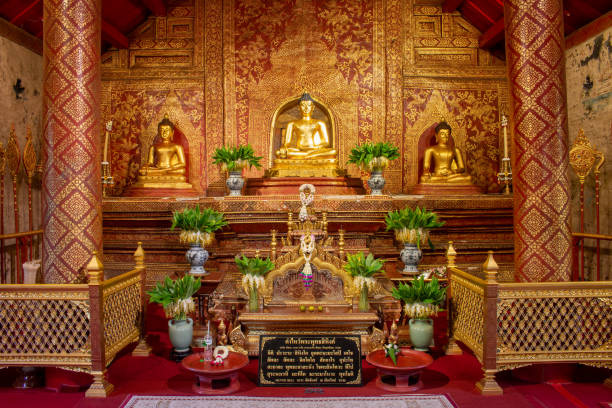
point(288, 111)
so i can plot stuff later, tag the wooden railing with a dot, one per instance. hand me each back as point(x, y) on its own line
point(578, 272)
point(509, 325)
point(27, 247)
point(79, 327)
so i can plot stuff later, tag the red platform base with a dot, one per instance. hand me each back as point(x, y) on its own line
point(445, 189)
point(290, 185)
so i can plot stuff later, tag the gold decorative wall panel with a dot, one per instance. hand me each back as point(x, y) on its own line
point(239, 60)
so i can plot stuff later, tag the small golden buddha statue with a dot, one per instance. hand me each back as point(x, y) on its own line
point(305, 149)
point(166, 166)
point(448, 166)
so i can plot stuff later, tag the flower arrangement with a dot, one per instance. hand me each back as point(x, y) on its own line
point(392, 350)
point(175, 296)
point(373, 156)
point(362, 269)
point(254, 270)
point(413, 225)
point(197, 224)
point(236, 158)
point(422, 299)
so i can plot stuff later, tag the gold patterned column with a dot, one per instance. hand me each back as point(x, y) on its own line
point(534, 51)
point(71, 128)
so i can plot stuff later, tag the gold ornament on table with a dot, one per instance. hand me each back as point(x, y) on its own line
point(166, 166)
point(447, 161)
point(306, 145)
point(505, 174)
point(107, 177)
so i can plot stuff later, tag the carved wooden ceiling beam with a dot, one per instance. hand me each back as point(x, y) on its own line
point(493, 35)
point(451, 5)
point(157, 7)
point(112, 35)
point(21, 17)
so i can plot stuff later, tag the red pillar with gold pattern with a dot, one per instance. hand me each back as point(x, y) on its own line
point(71, 137)
point(534, 56)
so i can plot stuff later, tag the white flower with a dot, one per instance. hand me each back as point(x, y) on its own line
point(361, 281)
point(420, 310)
point(252, 281)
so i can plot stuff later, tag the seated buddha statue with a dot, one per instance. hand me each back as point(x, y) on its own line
point(165, 166)
point(448, 166)
point(306, 138)
point(305, 147)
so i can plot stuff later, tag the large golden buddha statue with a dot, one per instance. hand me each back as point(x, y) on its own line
point(448, 166)
point(166, 166)
point(306, 146)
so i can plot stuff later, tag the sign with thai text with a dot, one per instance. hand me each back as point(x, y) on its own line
point(310, 360)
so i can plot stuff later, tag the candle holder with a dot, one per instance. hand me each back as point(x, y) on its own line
point(107, 178)
point(505, 174)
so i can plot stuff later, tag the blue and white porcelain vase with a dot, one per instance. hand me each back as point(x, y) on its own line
point(235, 182)
point(411, 255)
point(197, 256)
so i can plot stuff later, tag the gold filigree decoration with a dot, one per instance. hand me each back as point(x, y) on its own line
point(122, 313)
point(29, 156)
point(467, 306)
point(50, 330)
point(582, 156)
point(13, 155)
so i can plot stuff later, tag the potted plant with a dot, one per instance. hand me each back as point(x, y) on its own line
point(362, 268)
point(374, 158)
point(412, 228)
point(421, 301)
point(233, 160)
point(254, 270)
point(176, 298)
point(198, 227)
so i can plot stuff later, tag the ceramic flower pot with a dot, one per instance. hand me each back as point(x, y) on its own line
point(197, 256)
point(421, 333)
point(181, 334)
point(234, 183)
point(411, 255)
point(376, 182)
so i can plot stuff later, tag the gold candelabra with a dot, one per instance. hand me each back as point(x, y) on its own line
point(505, 174)
point(107, 178)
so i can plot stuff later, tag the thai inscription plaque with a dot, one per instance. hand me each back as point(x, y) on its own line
point(310, 360)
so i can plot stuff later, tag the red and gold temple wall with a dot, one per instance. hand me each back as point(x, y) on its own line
point(386, 69)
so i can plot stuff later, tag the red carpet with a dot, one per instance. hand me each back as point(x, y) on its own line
point(450, 375)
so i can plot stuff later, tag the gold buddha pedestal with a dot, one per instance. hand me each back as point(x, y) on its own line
point(166, 167)
point(448, 174)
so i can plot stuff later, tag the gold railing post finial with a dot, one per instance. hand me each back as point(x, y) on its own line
point(95, 270)
point(139, 256)
point(451, 255)
point(490, 268)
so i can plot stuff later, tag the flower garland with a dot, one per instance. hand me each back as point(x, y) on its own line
point(252, 281)
point(195, 237)
point(180, 309)
point(418, 310)
point(306, 200)
point(307, 244)
point(361, 281)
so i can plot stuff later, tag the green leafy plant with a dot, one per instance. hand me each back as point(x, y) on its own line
point(422, 299)
point(412, 225)
point(369, 156)
point(197, 224)
point(253, 266)
point(176, 296)
point(236, 158)
point(360, 265)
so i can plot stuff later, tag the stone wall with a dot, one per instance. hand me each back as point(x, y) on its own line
point(589, 95)
point(17, 62)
